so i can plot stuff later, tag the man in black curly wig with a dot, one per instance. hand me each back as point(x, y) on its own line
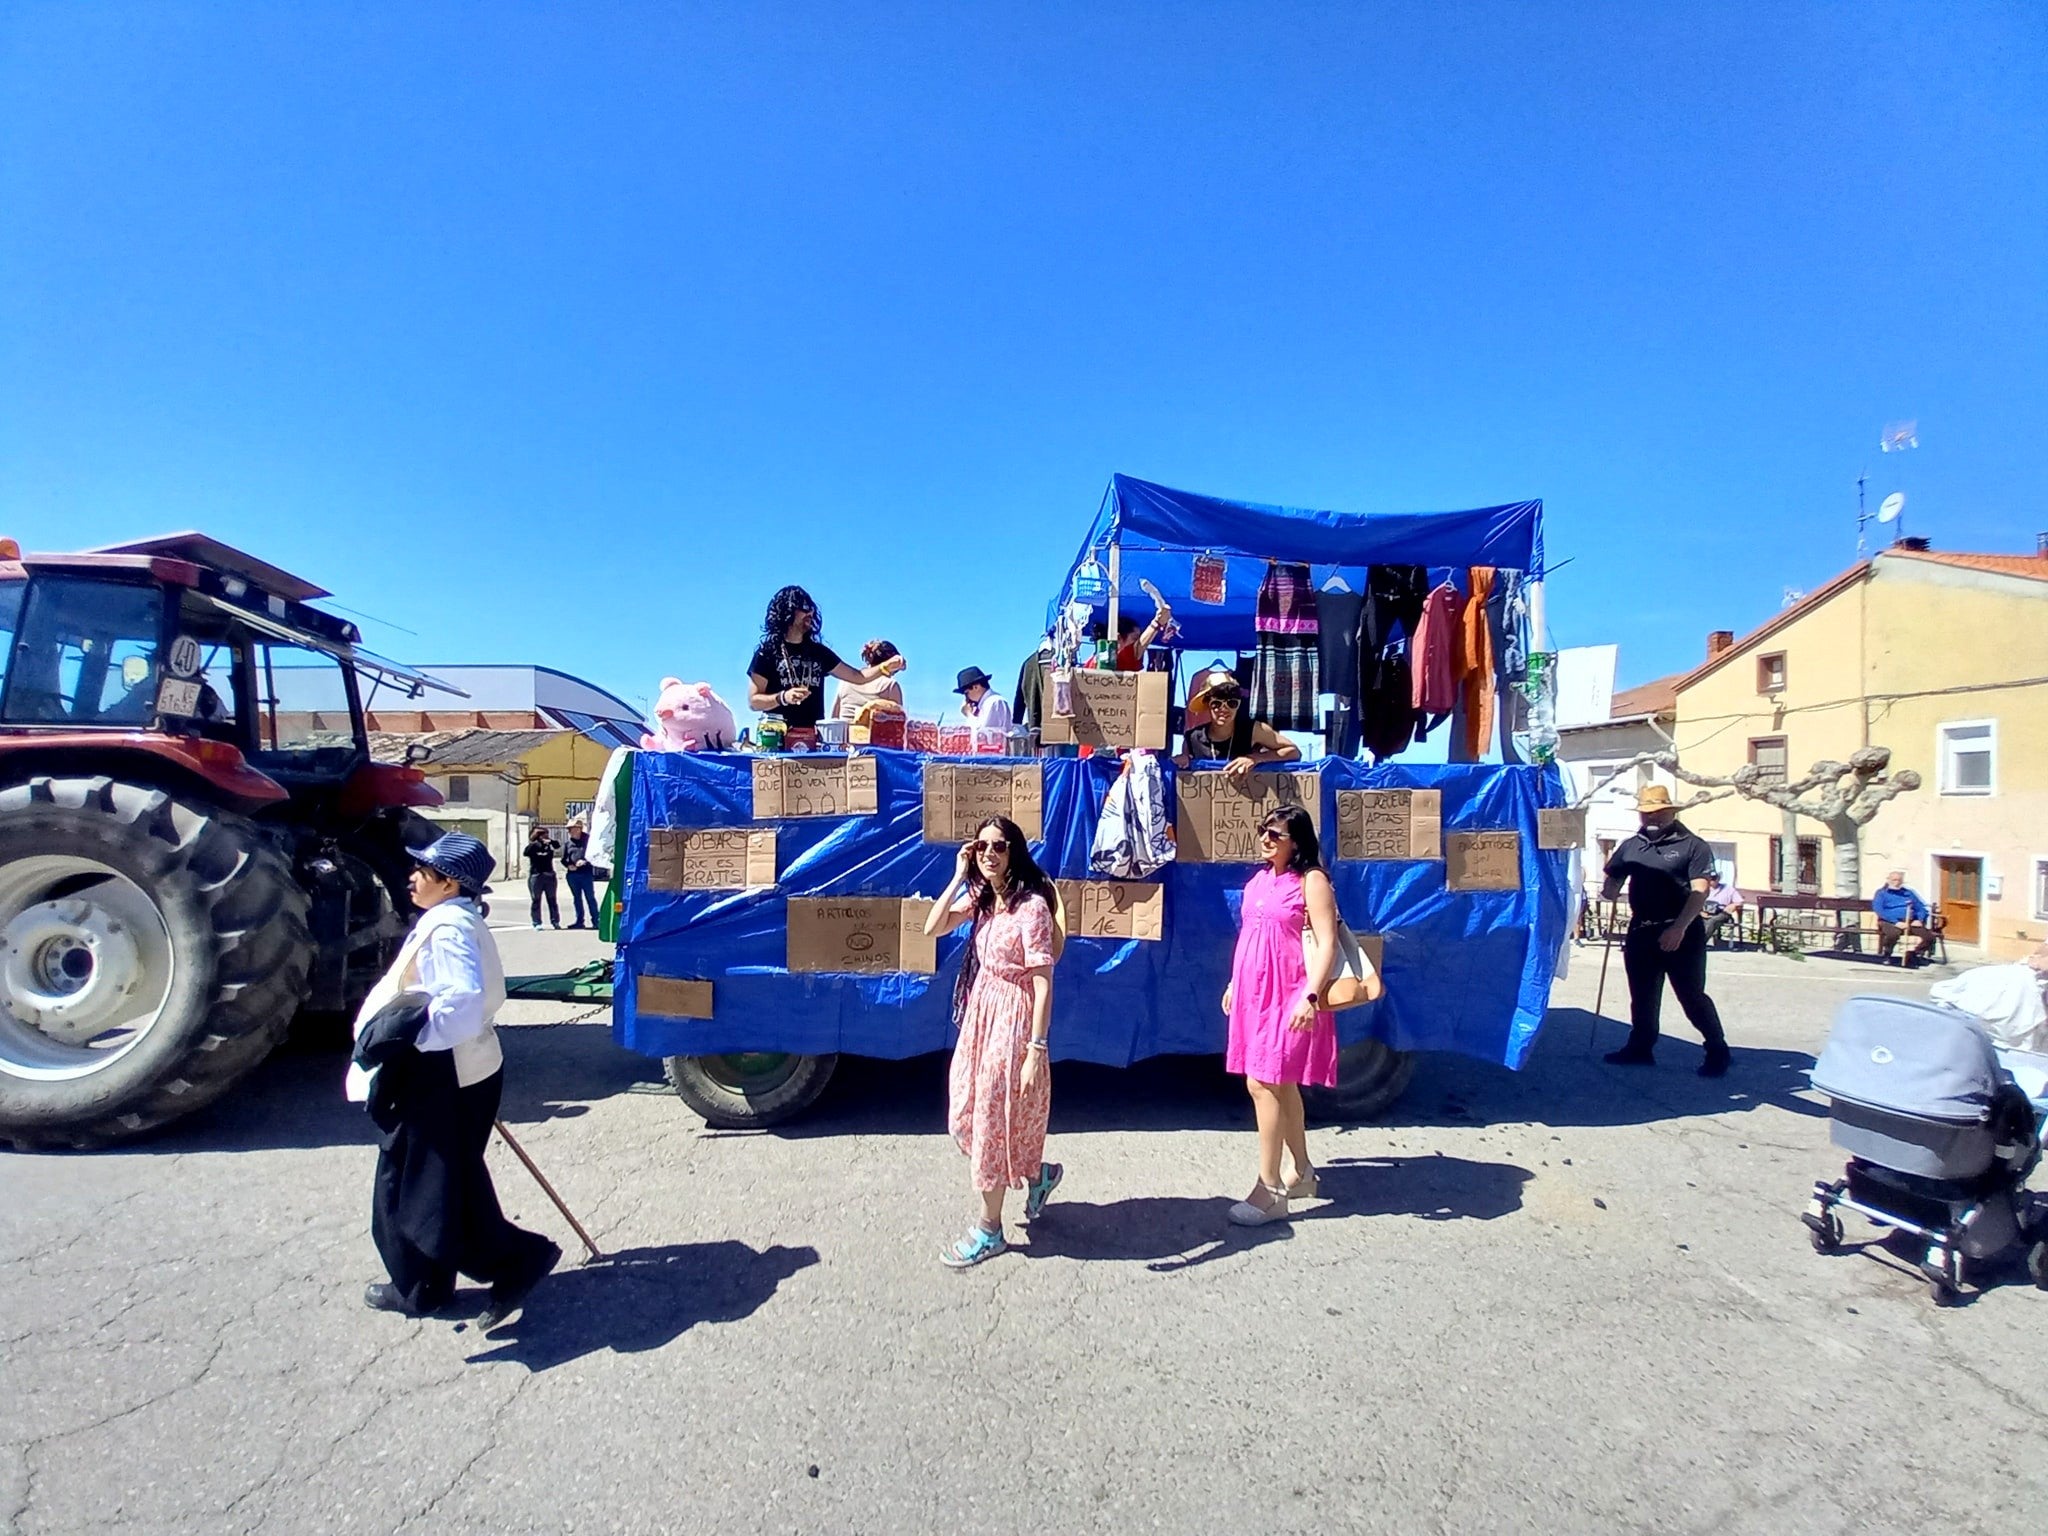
point(786, 678)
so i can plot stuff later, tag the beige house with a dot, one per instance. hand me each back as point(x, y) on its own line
point(1943, 658)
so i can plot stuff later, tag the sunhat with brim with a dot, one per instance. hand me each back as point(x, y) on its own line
point(1210, 685)
point(970, 678)
point(459, 857)
point(1655, 798)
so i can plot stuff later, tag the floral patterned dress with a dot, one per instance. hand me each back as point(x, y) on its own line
point(1268, 976)
point(998, 1124)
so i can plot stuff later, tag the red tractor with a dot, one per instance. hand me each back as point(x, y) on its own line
point(185, 865)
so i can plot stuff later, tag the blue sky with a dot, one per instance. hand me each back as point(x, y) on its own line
point(565, 334)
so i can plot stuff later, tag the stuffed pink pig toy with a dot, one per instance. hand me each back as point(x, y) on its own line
point(689, 717)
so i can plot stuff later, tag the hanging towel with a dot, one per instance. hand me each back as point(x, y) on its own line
point(1434, 653)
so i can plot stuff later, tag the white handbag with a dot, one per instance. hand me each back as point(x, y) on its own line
point(1353, 979)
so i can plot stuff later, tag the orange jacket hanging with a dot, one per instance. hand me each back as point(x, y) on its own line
point(1475, 665)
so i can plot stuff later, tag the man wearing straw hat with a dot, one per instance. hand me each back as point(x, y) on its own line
point(1669, 873)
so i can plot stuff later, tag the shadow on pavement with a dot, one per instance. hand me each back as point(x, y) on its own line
point(1176, 1232)
point(641, 1299)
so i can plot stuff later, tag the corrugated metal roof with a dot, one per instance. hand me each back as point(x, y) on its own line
point(487, 749)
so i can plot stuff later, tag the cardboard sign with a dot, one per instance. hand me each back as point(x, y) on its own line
point(957, 800)
point(860, 935)
point(1113, 909)
point(1390, 824)
point(669, 997)
point(814, 786)
point(1561, 827)
point(1112, 709)
point(1483, 861)
point(1219, 822)
point(710, 859)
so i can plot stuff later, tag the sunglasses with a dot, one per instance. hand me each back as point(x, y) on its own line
point(994, 845)
point(1221, 701)
point(1270, 834)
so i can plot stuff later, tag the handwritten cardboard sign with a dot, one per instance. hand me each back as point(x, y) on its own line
point(1218, 822)
point(1112, 709)
point(1561, 827)
point(1390, 824)
point(1113, 909)
point(709, 859)
point(1483, 861)
point(957, 799)
point(670, 997)
point(860, 935)
point(814, 786)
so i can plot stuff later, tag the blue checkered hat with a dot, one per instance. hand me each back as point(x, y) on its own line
point(460, 857)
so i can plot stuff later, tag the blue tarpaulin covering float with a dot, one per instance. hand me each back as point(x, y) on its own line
point(1466, 971)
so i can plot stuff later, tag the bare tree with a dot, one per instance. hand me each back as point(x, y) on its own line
point(1843, 797)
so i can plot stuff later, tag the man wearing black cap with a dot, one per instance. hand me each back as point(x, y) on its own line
point(1669, 873)
point(984, 710)
point(430, 1068)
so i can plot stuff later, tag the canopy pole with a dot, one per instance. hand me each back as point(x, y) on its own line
point(1116, 567)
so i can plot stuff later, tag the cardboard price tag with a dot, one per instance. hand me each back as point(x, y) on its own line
point(958, 799)
point(861, 935)
point(710, 859)
point(670, 997)
point(814, 786)
point(1218, 823)
point(1561, 827)
point(1483, 861)
point(1113, 709)
point(1375, 824)
point(1113, 909)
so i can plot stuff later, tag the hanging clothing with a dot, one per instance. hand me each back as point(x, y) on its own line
point(1507, 618)
point(1434, 652)
point(1287, 601)
point(1394, 596)
point(1339, 615)
point(1286, 680)
point(1134, 835)
point(1475, 664)
point(1028, 706)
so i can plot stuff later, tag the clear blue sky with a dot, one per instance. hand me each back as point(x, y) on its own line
point(565, 334)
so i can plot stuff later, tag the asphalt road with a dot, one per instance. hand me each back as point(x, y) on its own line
point(1575, 1298)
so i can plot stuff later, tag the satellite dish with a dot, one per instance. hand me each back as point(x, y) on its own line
point(1889, 509)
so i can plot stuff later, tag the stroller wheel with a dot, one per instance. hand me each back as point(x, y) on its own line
point(1824, 1231)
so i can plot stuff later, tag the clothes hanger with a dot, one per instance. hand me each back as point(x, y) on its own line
point(1336, 583)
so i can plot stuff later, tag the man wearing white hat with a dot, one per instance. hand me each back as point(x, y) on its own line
point(1669, 873)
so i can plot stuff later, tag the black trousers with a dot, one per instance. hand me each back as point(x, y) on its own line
point(1649, 966)
point(434, 1212)
point(542, 888)
point(582, 894)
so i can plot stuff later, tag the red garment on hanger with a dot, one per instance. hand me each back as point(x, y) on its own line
point(1475, 665)
point(1433, 652)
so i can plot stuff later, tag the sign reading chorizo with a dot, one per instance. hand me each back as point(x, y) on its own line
point(958, 799)
point(1113, 909)
point(1561, 827)
point(860, 935)
point(1218, 822)
point(1390, 824)
point(1483, 861)
point(670, 997)
point(814, 786)
point(1111, 710)
point(710, 859)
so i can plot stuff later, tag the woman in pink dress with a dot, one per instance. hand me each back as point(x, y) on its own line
point(1000, 1088)
point(1279, 1039)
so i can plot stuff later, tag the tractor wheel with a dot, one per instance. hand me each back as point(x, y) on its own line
point(1371, 1075)
point(751, 1089)
point(152, 951)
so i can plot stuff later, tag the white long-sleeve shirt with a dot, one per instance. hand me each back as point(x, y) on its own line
point(451, 958)
point(992, 715)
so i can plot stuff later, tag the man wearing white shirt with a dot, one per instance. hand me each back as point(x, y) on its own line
point(985, 710)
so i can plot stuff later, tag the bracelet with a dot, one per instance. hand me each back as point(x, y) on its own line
point(1036, 1045)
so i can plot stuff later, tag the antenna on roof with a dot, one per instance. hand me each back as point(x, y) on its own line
point(1862, 516)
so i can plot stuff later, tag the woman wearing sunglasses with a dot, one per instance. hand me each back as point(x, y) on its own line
point(1279, 1039)
point(1225, 733)
point(999, 1092)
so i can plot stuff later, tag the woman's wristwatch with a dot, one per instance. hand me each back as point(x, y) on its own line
point(1036, 1045)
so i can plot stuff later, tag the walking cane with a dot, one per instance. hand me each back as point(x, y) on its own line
point(1600, 992)
point(541, 1179)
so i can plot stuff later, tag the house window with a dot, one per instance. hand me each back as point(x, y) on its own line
point(1808, 881)
point(458, 789)
point(1968, 753)
point(2041, 889)
point(1770, 673)
point(1768, 754)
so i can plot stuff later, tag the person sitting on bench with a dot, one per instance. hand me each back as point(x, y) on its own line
point(1901, 914)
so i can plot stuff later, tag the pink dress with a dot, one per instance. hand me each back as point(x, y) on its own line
point(998, 1125)
point(1267, 978)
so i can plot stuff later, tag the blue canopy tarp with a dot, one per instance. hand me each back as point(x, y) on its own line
point(1466, 971)
point(1159, 531)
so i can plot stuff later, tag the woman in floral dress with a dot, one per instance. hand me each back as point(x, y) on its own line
point(1279, 1038)
point(1000, 1087)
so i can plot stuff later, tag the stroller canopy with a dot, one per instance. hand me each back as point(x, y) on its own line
point(1909, 1057)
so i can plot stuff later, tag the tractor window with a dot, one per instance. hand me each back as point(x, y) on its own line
point(10, 622)
point(86, 653)
point(305, 702)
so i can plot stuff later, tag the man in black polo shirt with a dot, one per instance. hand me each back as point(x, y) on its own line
point(1669, 873)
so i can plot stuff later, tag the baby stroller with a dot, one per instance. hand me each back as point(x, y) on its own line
point(1940, 1138)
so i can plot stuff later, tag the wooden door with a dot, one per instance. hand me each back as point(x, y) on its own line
point(1959, 891)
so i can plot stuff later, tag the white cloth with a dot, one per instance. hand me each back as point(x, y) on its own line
point(451, 958)
point(2008, 1000)
point(1132, 837)
point(992, 714)
point(603, 849)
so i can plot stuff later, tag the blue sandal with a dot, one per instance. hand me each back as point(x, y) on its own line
point(978, 1245)
point(1040, 1189)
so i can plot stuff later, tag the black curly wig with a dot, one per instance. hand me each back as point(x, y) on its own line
point(783, 608)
